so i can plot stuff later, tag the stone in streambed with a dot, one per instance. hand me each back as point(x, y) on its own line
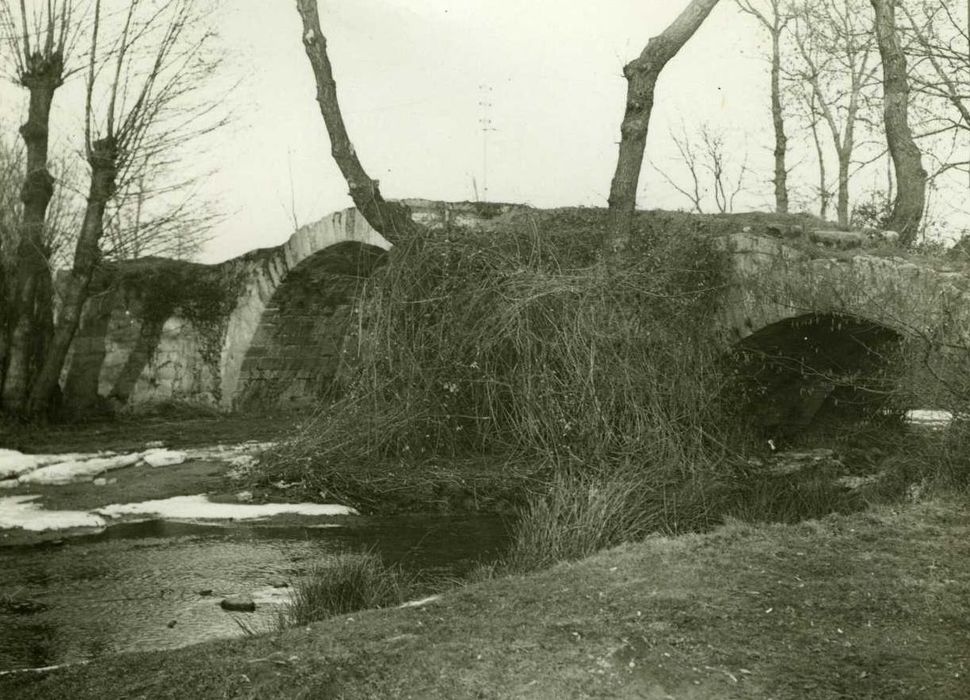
point(238, 603)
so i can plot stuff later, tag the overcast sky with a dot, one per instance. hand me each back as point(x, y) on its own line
point(411, 77)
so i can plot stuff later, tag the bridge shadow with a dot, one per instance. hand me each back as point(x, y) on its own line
point(814, 374)
point(297, 346)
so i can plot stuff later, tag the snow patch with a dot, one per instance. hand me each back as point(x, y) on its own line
point(930, 417)
point(22, 512)
point(56, 469)
point(14, 463)
point(163, 458)
point(74, 470)
point(227, 453)
point(201, 508)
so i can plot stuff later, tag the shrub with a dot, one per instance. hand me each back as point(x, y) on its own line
point(348, 583)
point(517, 343)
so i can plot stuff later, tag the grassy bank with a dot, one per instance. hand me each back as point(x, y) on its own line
point(870, 605)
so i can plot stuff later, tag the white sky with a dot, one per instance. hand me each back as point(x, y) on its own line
point(410, 76)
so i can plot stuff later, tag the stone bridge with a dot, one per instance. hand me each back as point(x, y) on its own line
point(268, 329)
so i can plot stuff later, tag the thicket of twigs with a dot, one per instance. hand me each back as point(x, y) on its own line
point(519, 344)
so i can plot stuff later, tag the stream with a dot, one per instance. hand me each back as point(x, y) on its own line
point(157, 584)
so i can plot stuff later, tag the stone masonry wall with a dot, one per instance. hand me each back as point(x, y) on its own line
point(294, 353)
point(265, 330)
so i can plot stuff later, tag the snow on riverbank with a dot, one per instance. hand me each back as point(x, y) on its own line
point(22, 512)
point(78, 469)
point(54, 469)
point(14, 463)
point(201, 508)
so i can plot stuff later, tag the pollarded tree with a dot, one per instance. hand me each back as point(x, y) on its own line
point(774, 17)
point(642, 74)
point(39, 39)
point(141, 103)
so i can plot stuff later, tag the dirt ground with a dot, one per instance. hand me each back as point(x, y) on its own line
point(868, 605)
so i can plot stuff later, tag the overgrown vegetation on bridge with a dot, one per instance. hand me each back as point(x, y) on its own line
point(520, 346)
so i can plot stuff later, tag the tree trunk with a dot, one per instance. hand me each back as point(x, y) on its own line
point(842, 201)
point(87, 255)
point(907, 159)
point(41, 76)
point(778, 120)
point(391, 219)
point(823, 189)
point(641, 75)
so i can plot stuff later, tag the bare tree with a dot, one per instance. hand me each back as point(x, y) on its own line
point(712, 174)
point(11, 169)
point(823, 191)
point(11, 178)
point(152, 216)
point(689, 158)
point(835, 43)
point(772, 15)
point(642, 74)
point(140, 100)
point(907, 159)
point(39, 39)
point(391, 219)
point(936, 36)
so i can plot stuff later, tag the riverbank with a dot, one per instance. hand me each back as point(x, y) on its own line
point(176, 428)
point(872, 604)
point(469, 486)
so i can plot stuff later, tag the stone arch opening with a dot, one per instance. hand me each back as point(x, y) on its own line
point(296, 348)
point(814, 373)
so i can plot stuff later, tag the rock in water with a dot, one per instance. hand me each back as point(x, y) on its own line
point(238, 603)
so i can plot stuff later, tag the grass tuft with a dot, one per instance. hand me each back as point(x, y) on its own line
point(350, 582)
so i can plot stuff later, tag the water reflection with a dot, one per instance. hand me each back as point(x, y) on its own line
point(137, 586)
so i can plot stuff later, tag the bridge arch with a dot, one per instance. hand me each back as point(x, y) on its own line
point(815, 371)
point(280, 338)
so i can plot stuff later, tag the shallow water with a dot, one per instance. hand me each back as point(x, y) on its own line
point(122, 589)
